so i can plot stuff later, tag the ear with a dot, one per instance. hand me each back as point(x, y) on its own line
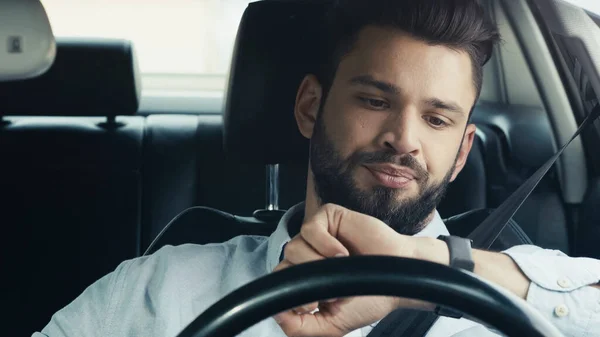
point(308, 101)
point(464, 150)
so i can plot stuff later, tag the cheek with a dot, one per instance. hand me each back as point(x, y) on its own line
point(352, 130)
point(440, 155)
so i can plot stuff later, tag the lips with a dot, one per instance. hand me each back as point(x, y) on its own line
point(391, 176)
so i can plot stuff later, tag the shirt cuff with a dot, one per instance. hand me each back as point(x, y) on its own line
point(559, 288)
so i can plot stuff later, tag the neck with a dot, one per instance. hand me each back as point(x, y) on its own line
point(428, 220)
point(312, 203)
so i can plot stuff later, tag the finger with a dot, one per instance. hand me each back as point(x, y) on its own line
point(307, 308)
point(282, 265)
point(299, 251)
point(294, 325)
point(320, 232)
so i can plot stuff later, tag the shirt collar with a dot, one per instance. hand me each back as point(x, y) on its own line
point(281, 236)
point(435, 228)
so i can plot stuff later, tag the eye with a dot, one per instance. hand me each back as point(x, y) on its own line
point(436, 122)
point(375, 104)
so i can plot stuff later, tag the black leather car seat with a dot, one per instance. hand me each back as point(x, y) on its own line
point(69, 186)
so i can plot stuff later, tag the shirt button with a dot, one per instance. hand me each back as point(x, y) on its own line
point(564, 282)
point(561, 310)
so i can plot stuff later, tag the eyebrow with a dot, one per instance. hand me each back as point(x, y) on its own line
point(368, 80)
point(448, 106)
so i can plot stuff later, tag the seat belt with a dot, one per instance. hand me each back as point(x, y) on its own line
point(413, 323)
point(488, 231)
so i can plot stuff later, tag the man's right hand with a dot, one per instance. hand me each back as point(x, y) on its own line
point(336, 231)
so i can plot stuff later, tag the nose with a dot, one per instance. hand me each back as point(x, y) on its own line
point(401, 133)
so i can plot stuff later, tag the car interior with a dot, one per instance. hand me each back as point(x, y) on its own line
point(90, 180)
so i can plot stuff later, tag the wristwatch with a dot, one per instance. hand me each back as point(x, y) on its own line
point(461, 257)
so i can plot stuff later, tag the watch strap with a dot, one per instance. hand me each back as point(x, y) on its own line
point(461, 257)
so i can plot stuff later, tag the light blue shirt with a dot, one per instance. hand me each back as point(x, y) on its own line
point(159, 295)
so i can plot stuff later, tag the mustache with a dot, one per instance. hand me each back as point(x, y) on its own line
point(386, 157)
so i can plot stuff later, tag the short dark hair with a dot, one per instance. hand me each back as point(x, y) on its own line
point(459, 24)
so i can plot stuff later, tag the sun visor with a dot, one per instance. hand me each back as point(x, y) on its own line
point(27, 46)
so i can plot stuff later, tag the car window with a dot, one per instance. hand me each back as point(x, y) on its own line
point(183, 47)
point(590, 5)
point(175, 36)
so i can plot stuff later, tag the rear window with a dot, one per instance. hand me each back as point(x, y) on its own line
point(183, 47)
point(171, 37)
point(590, 5)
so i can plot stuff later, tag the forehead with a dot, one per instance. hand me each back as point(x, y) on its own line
point(416, 67)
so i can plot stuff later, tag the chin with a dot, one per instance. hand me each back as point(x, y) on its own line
point(402, 197)
point(410, 191)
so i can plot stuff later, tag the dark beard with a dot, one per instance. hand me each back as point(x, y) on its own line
point(334, 184)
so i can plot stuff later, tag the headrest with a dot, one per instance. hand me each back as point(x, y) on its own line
point(277, 44)
point(27, 46)
point(89, 77)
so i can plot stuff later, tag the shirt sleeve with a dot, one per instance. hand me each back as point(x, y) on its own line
point(91, 312)
point(560, 288)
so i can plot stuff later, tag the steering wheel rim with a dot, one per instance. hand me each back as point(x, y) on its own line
point(370, 275)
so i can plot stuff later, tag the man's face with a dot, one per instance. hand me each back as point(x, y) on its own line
point(393, 131)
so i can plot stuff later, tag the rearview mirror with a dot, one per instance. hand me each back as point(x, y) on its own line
point(27, 45)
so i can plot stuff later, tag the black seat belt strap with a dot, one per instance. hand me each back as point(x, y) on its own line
point(404, 322)
point(412, 323)
point(487, 232)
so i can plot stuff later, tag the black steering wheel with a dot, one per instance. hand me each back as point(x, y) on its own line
point(370, 275)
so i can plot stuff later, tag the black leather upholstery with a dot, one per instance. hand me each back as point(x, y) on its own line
point(236, 185)
point(70, 209)
point(81, 142)
point(185, 165)
point(89, 77)
point(70, 188)
point(171, 169)
point(267, 68)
